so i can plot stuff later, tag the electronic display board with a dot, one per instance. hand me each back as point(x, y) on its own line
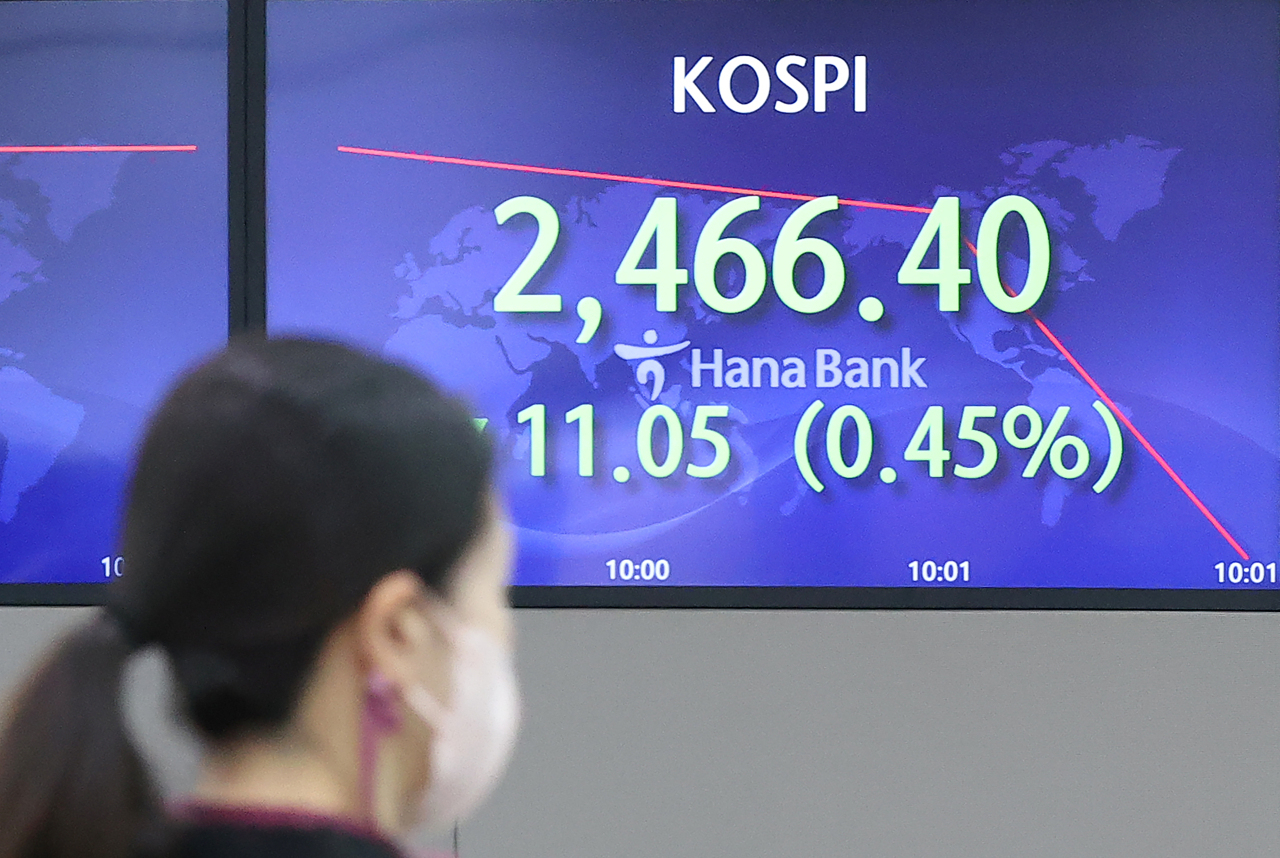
point(895, 298)
point(113, 260)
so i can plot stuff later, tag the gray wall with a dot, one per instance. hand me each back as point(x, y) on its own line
point(866, 734)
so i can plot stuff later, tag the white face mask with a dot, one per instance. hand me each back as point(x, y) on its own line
point(473, 737)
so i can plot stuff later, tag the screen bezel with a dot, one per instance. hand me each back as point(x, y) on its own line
point(789, 598)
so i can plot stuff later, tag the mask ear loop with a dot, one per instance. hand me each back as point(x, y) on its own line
point(423, 704)
point(380, 717)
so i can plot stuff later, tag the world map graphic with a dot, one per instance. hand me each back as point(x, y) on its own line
point(446, 323)
point(43, 200)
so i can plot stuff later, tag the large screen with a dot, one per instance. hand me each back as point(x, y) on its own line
point(913, 295)
point(113, 258)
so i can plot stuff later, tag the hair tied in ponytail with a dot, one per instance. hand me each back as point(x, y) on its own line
point(71, 781)
point(205, 673)
point(210, 683)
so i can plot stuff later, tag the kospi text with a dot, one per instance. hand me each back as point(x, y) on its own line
point(828, 74)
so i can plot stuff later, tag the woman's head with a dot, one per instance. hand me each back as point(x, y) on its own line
point(276, 485)
point(310, 530)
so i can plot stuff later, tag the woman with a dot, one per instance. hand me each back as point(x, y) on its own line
point(312, 539)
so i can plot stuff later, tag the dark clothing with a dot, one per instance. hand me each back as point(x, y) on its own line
point(207, 832)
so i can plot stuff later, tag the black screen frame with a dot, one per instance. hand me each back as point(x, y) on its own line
point(790, 598)
point(246, 232)
point(247, 316)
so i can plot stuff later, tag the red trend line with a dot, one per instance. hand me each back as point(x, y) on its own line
point(30, 150)
point(696, 186)
point(614, 177)
point(1142, 439)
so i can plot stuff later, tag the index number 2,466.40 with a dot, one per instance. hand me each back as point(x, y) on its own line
point(659, 231)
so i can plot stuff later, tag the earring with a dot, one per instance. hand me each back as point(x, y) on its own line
point(381, 716)
point(380, 709)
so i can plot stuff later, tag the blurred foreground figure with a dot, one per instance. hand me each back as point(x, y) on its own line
point(312, 539)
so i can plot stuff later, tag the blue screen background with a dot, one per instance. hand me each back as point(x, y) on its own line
point(1145, 133)
point(113, 266)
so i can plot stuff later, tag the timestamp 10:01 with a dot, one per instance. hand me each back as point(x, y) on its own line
point(643, 572)
point(1238, 573)
point(931, 572)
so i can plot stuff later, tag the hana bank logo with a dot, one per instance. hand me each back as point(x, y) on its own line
point(649, 370)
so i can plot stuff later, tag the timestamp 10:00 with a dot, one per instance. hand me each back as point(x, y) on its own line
point(1238, 573)
point(643, 572)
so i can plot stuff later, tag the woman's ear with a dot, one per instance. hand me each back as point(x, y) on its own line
point(399, 636)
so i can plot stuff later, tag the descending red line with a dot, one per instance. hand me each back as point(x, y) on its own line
point(614, 177)
point(29, 150)
point(1146, 445)
point(1142, 439)
point(696, 186)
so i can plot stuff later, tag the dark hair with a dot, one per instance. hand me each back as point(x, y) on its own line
point(277, 483)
